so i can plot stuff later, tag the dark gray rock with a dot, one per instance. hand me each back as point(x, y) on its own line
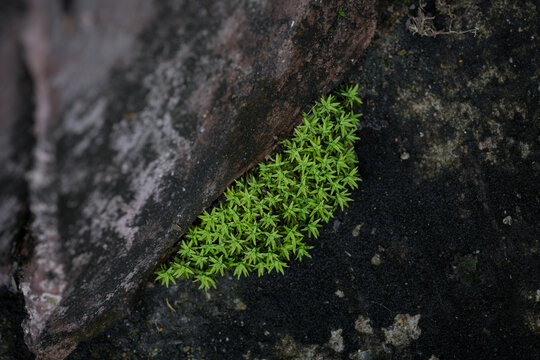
point(145, 112)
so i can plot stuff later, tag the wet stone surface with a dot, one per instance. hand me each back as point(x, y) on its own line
point(453, 277)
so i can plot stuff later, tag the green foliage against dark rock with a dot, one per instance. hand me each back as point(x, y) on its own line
point(267, 215)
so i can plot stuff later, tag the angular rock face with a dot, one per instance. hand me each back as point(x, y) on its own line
point(145, 112)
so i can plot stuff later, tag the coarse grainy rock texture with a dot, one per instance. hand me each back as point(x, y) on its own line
point(144, 112)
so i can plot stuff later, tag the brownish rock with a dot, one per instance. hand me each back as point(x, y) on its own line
point(145, 112)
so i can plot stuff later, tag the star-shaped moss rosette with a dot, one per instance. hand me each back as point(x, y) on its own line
point(267, 215)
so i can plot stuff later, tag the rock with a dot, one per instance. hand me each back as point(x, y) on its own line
point(145, 112)
point(483, 96)
point(15, 135)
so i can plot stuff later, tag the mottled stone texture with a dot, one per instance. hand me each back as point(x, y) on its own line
point(145, 111)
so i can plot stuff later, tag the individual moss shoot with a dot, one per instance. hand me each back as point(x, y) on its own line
point(267, 215)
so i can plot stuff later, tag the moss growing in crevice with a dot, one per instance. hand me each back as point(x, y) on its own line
point(267, 215)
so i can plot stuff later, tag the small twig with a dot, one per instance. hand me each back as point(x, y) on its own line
point(169, 305)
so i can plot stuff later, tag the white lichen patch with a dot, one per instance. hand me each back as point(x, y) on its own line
point(440, 156)
point(531, 317)
point(372, 342)
point(356, 230)
point(525, 149)
point(403, 331)
point(445, 125)
point(336, 340)
point(532, 321)
point(287, 348)
point(362, 325)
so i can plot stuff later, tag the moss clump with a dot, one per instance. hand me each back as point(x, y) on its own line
point(266, 216)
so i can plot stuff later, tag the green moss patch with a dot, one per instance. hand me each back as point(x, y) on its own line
point(267, 215)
